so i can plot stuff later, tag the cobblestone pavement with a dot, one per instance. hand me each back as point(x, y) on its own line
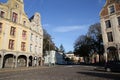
point(70, 72)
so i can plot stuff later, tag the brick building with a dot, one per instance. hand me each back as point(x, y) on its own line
point(110, 26)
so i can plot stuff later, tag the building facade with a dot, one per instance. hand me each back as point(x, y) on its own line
point(50, 58)
point(60, 58)
point(21, 38)
point(110, 26)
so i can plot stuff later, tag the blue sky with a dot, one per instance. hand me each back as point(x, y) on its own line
point(65, 20)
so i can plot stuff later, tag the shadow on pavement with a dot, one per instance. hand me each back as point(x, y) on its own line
point(112, 76)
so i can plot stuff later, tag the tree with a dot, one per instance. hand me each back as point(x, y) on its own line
point(91, 42)
point(69, 52)
point(95, 33)
point(61, 49)
point(81, 46)
point(48, 44)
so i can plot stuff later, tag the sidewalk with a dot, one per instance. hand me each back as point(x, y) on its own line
point(99, 68)
point(21, 69)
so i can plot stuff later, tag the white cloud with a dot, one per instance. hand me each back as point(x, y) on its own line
point(63, 29)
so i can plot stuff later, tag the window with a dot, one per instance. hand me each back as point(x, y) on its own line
point(110, 1)
point(0, 27)
point(23, 46)
point(24, 23)
point(110, 37)
point(16, 6)
point(11, 44)
point(35, 49)
point(108, 24)
point(2, 14)
point(112, 9)
point(14, 17)
point(40, 41)
point(24, 34)
point(31, 38)
point(119, 21)
point(36, 39)
point(30, 47)
point(12, 31)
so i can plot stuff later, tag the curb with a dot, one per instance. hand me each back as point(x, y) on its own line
point(99, 69)
point(20, 69)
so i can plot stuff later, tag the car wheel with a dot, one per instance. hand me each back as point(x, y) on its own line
point(108, 69)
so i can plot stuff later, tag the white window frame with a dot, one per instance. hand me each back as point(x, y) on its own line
point(109, 9)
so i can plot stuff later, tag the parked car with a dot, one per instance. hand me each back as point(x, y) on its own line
point(112, 66)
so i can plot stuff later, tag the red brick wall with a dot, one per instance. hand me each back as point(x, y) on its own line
point(104, 11)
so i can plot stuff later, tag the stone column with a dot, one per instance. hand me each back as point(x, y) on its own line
point(37, 61)
point(41, 61)
point(105, 54)
point(16, 61)
point(13, 62)
point(1, 66)
point(119, 52)
point(32, 61)
point(27, 61)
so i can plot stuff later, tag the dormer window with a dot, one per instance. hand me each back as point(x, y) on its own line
point(110, 1)
point(24, 23)
point(112, 9)
point(14, 17)
point(16, 5)
point(2, 14)
point(0, 27)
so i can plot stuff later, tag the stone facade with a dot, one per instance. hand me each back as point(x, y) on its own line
point(50, 57)
point(21, 39)
point(110, 26)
